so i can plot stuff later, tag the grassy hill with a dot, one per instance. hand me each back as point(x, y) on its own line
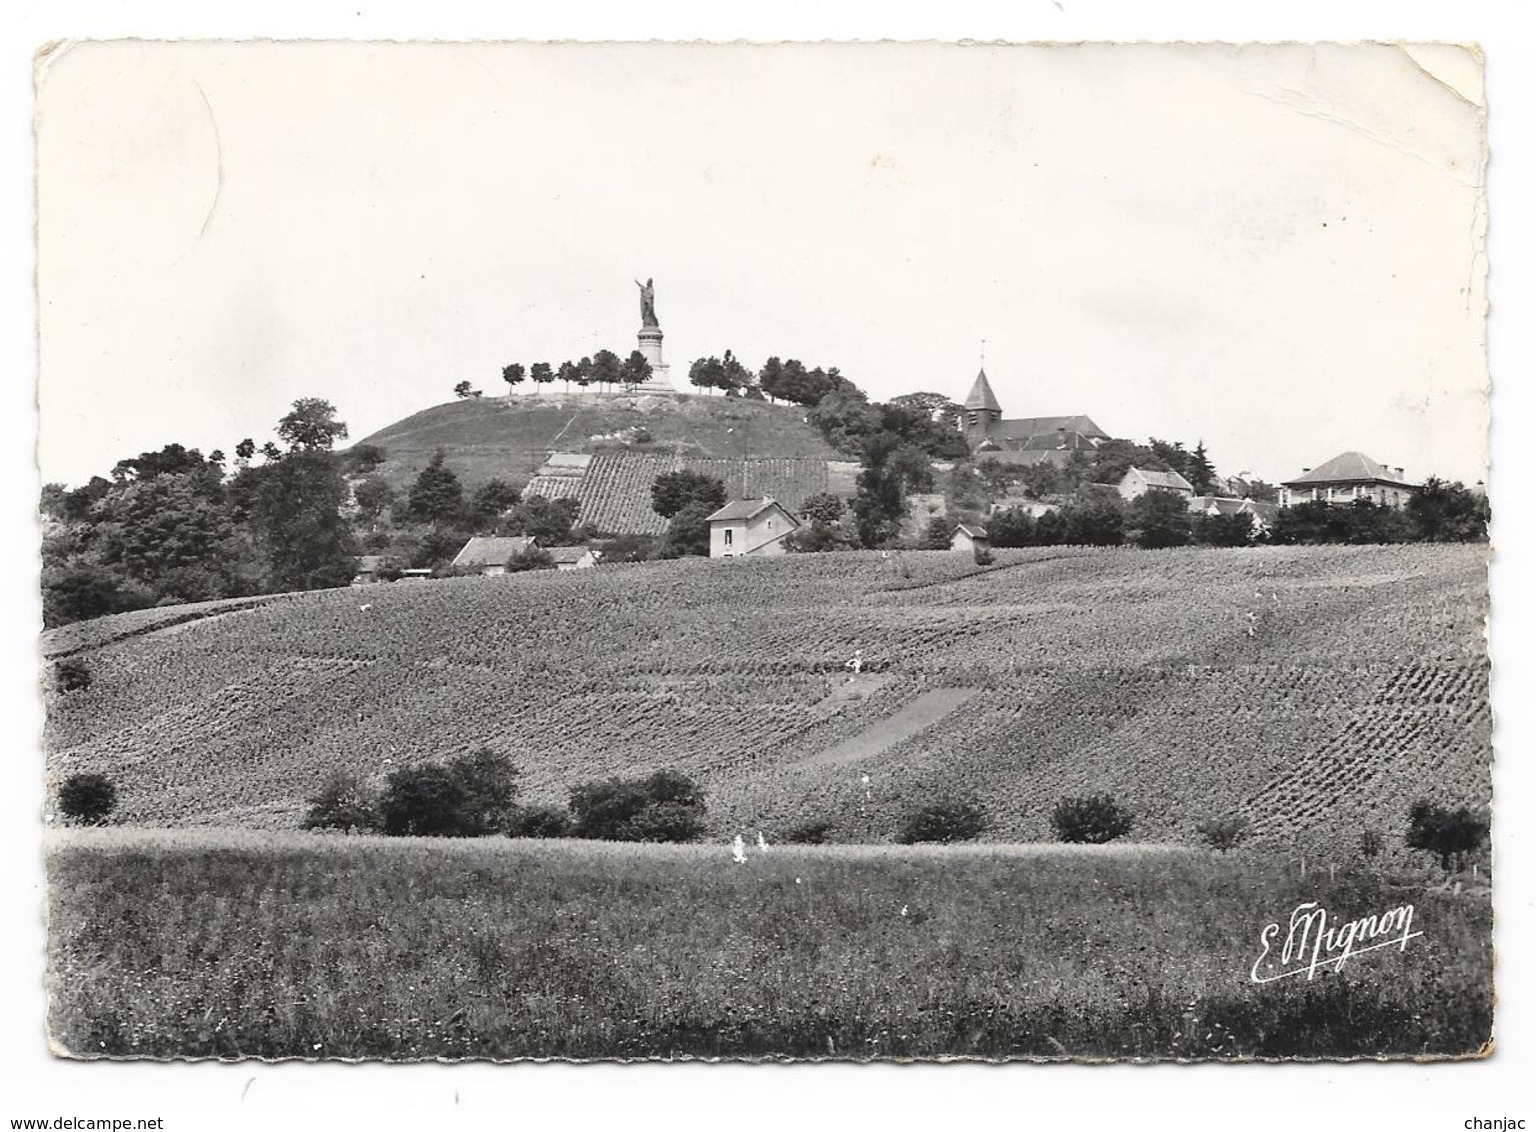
point(508, 439)
point(1318, 691)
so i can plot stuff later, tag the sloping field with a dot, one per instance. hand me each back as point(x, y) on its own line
point(1317, 690)
point(615, 492)
point(498, 438)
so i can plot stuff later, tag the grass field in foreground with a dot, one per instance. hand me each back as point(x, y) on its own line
point(246, 945)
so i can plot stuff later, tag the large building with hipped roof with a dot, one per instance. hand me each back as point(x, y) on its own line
point(1347, 477)
point(1023, 440)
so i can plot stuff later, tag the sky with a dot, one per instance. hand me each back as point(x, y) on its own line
point(1275, 250)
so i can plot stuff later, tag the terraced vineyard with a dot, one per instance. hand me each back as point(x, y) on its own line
point(615, 488)
point(1317, 690)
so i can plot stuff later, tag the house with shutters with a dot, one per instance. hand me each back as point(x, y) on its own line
point(749, 527)
point(1347, 477)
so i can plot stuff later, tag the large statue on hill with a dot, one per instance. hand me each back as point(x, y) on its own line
point(647, 302)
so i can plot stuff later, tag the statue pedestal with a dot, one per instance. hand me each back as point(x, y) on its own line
point(650, 347)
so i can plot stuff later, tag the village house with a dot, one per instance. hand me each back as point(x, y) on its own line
point(1138, 481)
point(574, 557)
point(369, 567)
point(1260, 513)
point(489, 556)
point(970, 537)
point(749, 526)
point(1347, 477)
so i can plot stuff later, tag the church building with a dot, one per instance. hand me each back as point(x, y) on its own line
point(1023, 440)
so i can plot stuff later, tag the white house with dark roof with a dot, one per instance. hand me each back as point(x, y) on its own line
point(1138, 481)
point(749, 527)
point(970, 537)
point(1260, 514)
point(490, 555)
point(1347, 477)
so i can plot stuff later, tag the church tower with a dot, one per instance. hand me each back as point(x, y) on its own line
point(981, 410)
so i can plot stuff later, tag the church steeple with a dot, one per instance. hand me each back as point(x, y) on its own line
point(981, 408)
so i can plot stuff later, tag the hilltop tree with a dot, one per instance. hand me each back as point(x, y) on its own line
point(466, 392)
point(514, 375)
point(706, 373)
point(637, 370)
point(311, 426)
point(607, 368)
point(436, 497)
point(541, 373)
point(673, 491)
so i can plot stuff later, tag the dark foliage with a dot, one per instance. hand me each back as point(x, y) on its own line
point(674, 491)
point(539, 821)
point(1093, 820)
point(943, 821)
point(1224, 834)
point(88, 798)
point(344, 803)
point(470, 796)
point(71, 675)
point(548, 520)
point(1445, 832)
point(664, 806)
point(1448, 512)
point(687, 533)
point(1160, 519)
point(437, 496)
point(815, 832)
point(422, 801)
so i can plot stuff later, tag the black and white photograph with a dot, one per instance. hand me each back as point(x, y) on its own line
point(838, 552)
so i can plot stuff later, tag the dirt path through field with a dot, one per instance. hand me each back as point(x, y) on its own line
point(923, 712)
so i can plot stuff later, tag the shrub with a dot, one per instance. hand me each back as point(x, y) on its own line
point(1223, 834)
point(469, 796)
point(539, 821)
point(489, 782)
point(71, 676)
point(343, 803)
point(422, 801)
point(664, 806)
point(816, 832)
point(1445, 832)
point(982, 555)
point(1094, 819)
point(88, 799)
point(943, 821)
